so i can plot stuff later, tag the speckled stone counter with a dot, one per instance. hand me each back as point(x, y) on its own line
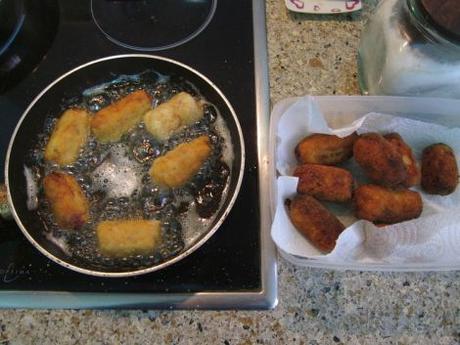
point(307, 54)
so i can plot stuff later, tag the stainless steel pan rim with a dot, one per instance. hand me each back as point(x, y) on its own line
point(173, 259)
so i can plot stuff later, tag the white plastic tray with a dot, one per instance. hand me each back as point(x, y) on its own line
point(440, 111)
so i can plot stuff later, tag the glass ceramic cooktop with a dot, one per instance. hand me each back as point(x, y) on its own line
point(217, 40)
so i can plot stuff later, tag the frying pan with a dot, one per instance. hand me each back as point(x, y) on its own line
point(72, 84)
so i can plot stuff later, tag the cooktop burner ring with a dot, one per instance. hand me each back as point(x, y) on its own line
point(181, 20)
point(27, 32)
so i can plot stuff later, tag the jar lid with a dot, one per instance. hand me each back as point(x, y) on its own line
point(445, 14)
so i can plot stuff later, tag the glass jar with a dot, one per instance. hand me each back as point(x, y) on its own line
point(412, 47)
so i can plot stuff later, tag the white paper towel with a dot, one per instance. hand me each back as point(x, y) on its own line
point(432, 238)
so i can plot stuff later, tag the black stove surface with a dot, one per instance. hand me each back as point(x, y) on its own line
point(230, 260)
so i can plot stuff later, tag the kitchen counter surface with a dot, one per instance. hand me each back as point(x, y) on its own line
point(307, 54)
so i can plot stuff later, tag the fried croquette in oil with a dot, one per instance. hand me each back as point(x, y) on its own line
point(315, 222)
point(324, 182)
point(68, 203)
point(409, 161)
point(179, 165)
point(439, 169)
point(110, 123)
point(380, 160)
point(382, 205)
point(69, 136)
point(325, 149)
point(118, 238)
point(172, 116)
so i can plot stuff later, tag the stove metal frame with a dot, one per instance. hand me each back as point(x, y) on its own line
point(266, 298)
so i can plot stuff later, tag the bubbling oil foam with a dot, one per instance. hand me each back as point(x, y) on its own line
point(119, 175)
point(228, 154)
point(31, 188)
point(117, 184)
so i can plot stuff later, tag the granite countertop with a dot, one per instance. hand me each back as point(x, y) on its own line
point(307, 54)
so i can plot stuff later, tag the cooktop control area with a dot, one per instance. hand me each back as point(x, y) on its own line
point(220, 44)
